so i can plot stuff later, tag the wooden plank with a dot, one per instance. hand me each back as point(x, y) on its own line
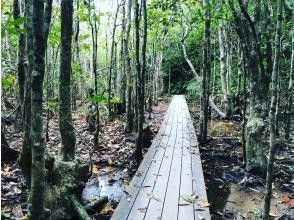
point(171, 168)
point(127, 200)
point(186, 212)
point(198, 179)
point(141, 203)
point(170, 207)
point(155, 207)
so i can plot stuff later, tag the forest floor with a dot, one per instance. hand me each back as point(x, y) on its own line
point(113, 164)
point(232, 192)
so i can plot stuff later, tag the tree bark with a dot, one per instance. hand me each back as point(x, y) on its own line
point(25, 158)
point(290, 94)
point(112, 63)
point(68, 139)
point(272, 115)
point(140, 76)
point(94, 33)
point(205, 77)
point(122, 81)
point(20, 68)
point(37, 193)
point(255, 160)
point(130, 122)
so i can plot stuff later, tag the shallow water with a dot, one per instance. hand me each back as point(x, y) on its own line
point(218, 128)
point(100, 186)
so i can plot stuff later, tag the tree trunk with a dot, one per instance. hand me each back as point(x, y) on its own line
point(68, 139)
point(290, 95)
point(25, 158)
point(94, 33)
point(140, 76)
point(205, 76)
point(20, 68)
point(37, 193)
point(224, 69)
point(130, 122)
point(272, 115)
point(255, 160)
point(122, 81)
point(112, 63)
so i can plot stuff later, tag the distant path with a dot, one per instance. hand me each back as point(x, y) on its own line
point(171, 170)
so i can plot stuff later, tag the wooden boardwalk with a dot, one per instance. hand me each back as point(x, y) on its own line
point(170, 172)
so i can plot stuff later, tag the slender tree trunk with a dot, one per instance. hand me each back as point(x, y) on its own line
point(140, 77)
point(169, 72)
point(272, 114)
point(122, 82)
point(20, 68)
point(77, 50)
point(224, 68)
point(94, 33)
point(290, 94)
point(68, 139)
point(130, 122)
point(37, 193)
point(25, 158)
point(205, 77)
point(244, 119)
point(112, 63)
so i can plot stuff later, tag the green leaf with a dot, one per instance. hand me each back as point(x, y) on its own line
point(8, 81)
point(115, 100)
point(98, 99)
point(189, 198)
point(18, 21)
point(52, 105)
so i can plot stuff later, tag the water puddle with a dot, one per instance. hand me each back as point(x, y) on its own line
point(103, 185)
point(219, 128)
point(223, 171)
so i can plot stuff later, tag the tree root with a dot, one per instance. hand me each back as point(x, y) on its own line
point(82, 212)
point(79, 209)
point(92, 207)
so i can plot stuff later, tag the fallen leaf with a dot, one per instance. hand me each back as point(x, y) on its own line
point(203, 203)
point(95, 170)
point(25, 217)
point(138, 173)
point(288, 201)
point(143, 210)
point(189, 198)
point(151, 196)
point(107, 169)
point(106, 210)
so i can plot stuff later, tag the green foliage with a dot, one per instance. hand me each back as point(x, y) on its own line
point(193, 89)
point(12, 26)
point(98, 99)
point(8, 81)
point(115, 100)
point(52, 105)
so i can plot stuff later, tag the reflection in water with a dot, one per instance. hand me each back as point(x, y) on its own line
point(219, 128)
point(100, 186)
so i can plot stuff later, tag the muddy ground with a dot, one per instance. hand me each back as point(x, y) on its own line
point(232, 192)
point(113, 164)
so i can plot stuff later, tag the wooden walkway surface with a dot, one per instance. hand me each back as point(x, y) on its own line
point(170, 172)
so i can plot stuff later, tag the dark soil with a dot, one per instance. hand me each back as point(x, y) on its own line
point(113, 163)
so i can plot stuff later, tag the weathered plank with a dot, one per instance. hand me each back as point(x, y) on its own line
point(170, 170)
